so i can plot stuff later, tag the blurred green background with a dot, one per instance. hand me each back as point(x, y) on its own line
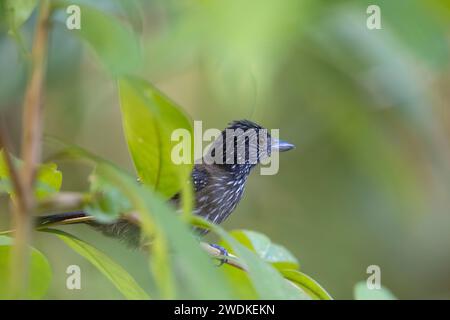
point(369, 181)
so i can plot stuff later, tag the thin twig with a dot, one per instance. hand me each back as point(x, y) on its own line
point(64, 201)
point(229, 259)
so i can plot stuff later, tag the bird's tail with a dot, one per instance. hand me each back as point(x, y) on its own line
point(123, 229)
point(63, 218)
point(58, 219)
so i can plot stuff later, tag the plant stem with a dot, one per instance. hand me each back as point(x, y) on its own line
point(230, 259)
point(17, 205)
point(31, 151)
point(64, 201)
point(32, 115)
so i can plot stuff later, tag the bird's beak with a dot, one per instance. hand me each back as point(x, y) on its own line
point(280, 145)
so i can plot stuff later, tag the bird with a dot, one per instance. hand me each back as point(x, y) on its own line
point(218, 182)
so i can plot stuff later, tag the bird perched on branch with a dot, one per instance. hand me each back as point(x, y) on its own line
point(218, 181)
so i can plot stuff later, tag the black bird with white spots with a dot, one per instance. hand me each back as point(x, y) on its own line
point(218, 181)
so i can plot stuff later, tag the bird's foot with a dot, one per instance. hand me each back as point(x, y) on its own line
point(223, 252)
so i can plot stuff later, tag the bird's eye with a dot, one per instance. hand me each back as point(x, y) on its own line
point(262, 141)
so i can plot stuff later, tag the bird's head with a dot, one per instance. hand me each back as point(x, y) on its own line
point(244, 144)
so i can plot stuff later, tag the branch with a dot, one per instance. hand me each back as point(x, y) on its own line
point(31, 152)
point(32, 115)
point(230, 259)
point(64, 201)
point(75, 200)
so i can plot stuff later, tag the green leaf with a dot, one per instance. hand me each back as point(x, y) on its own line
point(17, 11)
point(308, 284)
point(118, 276)
point(362, 292)
point(40, 271)
point(275, 254)
point(67, 151)
point(116, 44)
point(107, 203)
point(281, 258)
point(199, 278)
point(48, 180)
point(149, 119)
point(267, 281)
point(240, 281)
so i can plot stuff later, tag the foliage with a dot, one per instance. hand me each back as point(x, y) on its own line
point(177, 263)
point(115, 273)
point(40, 271)
point(48, 180)
point(16, 12)
point(362, 292)
point(375, 113)
point(149, 118)
point(115, 44)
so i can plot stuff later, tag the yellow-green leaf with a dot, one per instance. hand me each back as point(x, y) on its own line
point(48, 180)
point(308, 284)
point(266, 280)
point(149, 119)
point(276, 254)
point(118, 276)
point(200, 279)
point(39, 268)
point(17, 11)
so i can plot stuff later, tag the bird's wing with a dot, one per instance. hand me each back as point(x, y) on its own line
point(200, 177)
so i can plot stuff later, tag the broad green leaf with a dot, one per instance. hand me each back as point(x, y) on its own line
point(149, 119)
point(40, 271)
point(255, 241)
point(198, 275)
point(308, 284)
point(116, 44)
point(362, 292)
point(267, 281)
point(48, 180)
point(17, 11)
point(279, 256)
point(118, 276)
point(240, 282)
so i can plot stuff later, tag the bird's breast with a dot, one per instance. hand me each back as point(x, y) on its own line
point(216, 201)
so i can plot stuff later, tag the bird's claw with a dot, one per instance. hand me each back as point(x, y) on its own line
point(223, 252)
